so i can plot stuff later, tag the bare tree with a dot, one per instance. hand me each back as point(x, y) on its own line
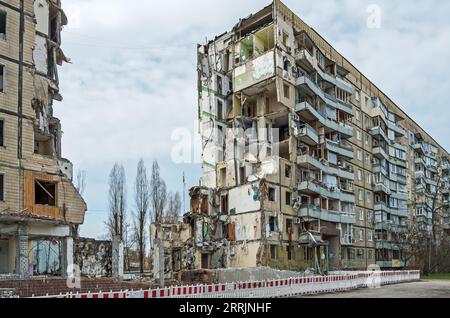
point(173, 210)
point(117, 202)
point(129, 243)
point(142, 201)
point(158, 195)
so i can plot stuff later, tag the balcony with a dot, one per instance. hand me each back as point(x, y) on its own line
point(380, 187)
point(420, 161)
point(330, 100)
point(380, 153)
point(381, 206)
point(402, 179)
point(419, 148)
point(380, 169)
point(306, 134)
point(315, 212)
point(340, 148)
point(348, 240)
point(309, 113)
point(307, 161)
point(419, 174)
point(328, 192)
point(377, 131)
point(391, 227)
point(305, 59)
point(399, 132)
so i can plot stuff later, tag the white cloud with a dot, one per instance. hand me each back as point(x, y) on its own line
point(134, 74)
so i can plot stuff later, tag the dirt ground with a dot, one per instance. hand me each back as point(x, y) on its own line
point(422, 289)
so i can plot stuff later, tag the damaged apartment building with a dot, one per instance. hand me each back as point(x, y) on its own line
point(39, 206)
point(306, 163)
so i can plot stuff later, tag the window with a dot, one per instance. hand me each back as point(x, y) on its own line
point(2, 142)
point(361, 235)
point(286, 91)
point(2, 78)
point(369, 197)
point(272, 193)
point(361, 195)
point(367, 139)
point(45, 193)
point(289, 227)
point(367, 101)
point(361, 215)
point(2, 25)
point(360, 155)
point(273, 223)
point(357, 96)
point(273, 252)
point(360, 175)
point(285, 38)
point(2, 187)
point(368, 161)
point(369, 179)
point(358, 115)
point(288, 171)
point(289, 253)
point(219, 109)
point(358, 135)
point(370, 254)
point(370, 217)
point(288, 198)
point(370, 236)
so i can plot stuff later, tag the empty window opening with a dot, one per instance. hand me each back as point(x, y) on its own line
point(288, 171)
point(2, 25)
point(273, 224)
point(288, 198)
point(289, 253)
point(272, 194)
point(273, 252)
point(2, 187)
point(45, 193)
point(286, 90)
point(2, 124)
point(242, 175)
point(289, 227)
point(2, 78)
point(219, 110)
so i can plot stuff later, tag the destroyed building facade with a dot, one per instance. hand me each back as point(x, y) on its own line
point(306, 163)
point(40, 208)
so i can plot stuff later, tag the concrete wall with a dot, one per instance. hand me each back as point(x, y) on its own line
point(93, 257)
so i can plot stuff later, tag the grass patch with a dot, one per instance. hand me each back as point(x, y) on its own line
point(437, 277)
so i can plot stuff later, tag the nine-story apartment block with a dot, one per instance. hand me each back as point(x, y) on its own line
point(306, 163)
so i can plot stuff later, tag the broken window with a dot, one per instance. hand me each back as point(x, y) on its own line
point(288, 171)
point(288, 198)
point(224, 204)
point(219, 85)
point(2, 78)
point(242, 175)
point(45, 193)
point(2, 25)
point(2, 124)
point(273, 223)
point(219, 110)
point(273, 252)
point(289, 253)
point(2, 187)
point(272, 193)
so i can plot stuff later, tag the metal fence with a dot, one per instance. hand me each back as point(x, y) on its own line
point(289, 287)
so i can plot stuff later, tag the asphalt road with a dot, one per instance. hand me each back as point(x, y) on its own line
point(422, 289)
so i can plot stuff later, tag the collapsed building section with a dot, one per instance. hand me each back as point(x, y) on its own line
point(306, 163)
point(39, 205)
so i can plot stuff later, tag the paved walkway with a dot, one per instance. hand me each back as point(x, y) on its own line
point(422, 289)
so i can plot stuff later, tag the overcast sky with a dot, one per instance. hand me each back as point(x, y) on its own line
point(133, 77)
